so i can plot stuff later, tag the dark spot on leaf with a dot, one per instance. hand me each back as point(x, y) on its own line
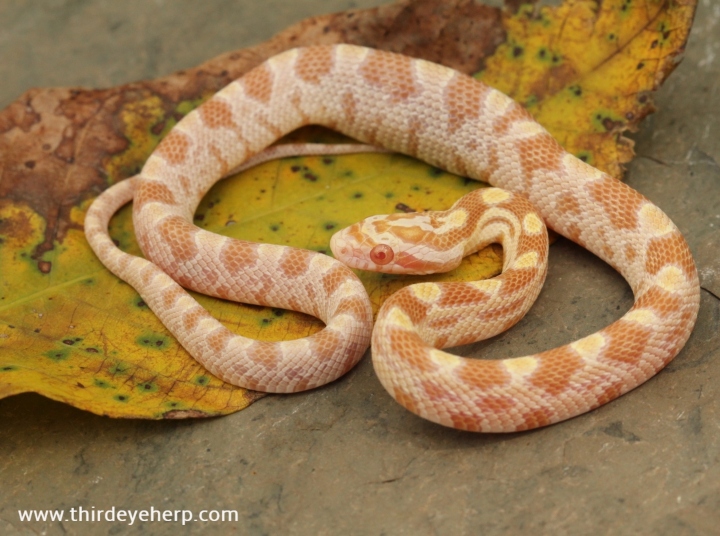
point(69, 342)
point(30, 164)
point(141, 303)
point(80, 385)
point(517, 51)
point(357, 195)
point(295, 168)
point(8, 368)
point(152, 340)
point(117, 369)
point(58, 355)
point(310, 176)
point(274, 227)
point(585, 156)
point(92, 350)
point(611, 125)
point(640, 65)
point(37, 330)
point(147, 387)
point(402, 207)
point(157, 128)
point(121, 398)
point(327, 160)
point(201, 380)
point(45, 266)
point(330, 226)
point(199, 217)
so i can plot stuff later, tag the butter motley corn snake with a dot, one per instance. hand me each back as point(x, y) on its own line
point(453, 122)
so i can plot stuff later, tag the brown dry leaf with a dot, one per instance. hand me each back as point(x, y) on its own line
point(73, 332)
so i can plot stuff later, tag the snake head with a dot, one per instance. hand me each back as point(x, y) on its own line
point(394, 244)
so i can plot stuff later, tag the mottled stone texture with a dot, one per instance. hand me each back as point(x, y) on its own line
point(346, 459)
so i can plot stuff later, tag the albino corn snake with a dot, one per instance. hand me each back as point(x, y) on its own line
point(453, 122)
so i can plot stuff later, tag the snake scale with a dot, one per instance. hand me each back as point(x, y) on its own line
point(451, 121)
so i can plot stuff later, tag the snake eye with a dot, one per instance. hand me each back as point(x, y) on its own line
point(381, 254)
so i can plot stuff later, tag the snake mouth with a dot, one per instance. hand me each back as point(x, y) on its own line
point(347, 254)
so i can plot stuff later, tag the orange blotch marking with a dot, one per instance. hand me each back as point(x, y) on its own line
point(265, 354)
point(411, 348)
point(216, 113)
point(354, 306)
point(192, 318)
point(314, 63)
point(237, 255)
point(333, 279)
point(621, 204)
point(392, 74)
point(218, 339)
point(660, 301)
point(295, 262)
point(464, 100)
point(349, 107)
point(483, 373)
point(628, 341)
point(324, 344)
point(556, 369)
point(152, 192)
point(174, 147)
point(513, 114)
point(540, 151)
point(669, 249)
point(178, 235)
point(171, 295)
point(405, 399)
point(258, 83)
point(535, 419)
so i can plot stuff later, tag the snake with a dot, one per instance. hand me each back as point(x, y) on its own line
point(451, 121)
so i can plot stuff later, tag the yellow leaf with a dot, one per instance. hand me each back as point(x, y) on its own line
point(72, 331)
point(585, 69)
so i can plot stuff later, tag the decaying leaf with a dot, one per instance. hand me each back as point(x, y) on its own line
point(73, 332)
point(585, 69)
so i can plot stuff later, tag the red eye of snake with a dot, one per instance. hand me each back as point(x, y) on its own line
point(381, 254)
